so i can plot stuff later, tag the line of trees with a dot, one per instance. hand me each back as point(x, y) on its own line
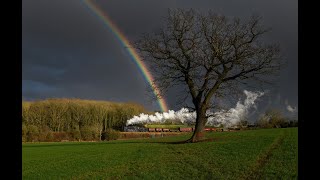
point(74, 119)
point(271, 118)
point(274, 118)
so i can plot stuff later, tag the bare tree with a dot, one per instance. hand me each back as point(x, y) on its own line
point(210, 55)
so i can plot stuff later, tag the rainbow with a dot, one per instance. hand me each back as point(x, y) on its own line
point(125, 42)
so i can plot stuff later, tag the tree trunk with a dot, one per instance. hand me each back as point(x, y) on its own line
point(79, 132)
point(198, 133)
point(100, 134)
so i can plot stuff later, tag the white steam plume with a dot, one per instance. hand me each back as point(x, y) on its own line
point(233, 115)
point(290, 108)
point(226, 118)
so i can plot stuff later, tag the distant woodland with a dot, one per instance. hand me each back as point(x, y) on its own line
point(74, 119)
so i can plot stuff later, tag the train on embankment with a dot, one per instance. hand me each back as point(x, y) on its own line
point(180, 129)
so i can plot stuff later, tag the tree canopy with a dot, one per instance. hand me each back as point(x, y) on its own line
point(210, 55)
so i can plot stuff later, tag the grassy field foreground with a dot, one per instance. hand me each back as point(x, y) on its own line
point(252, 154)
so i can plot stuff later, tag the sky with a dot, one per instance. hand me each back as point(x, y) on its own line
point(67, 52)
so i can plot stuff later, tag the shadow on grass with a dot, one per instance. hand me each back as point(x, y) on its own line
point(127, 141)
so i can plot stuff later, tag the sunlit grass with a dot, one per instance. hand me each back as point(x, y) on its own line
point(232, 155)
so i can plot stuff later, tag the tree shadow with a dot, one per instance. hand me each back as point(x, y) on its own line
point(163, 142)
point(129, 141)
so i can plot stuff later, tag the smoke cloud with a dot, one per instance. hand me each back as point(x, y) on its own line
point(290, 108)
point(226, 118)
point(234, 115)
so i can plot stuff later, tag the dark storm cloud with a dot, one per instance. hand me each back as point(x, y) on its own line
point(68, 52)
point(280, 16)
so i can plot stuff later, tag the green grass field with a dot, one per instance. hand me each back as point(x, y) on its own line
point(251, 154)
